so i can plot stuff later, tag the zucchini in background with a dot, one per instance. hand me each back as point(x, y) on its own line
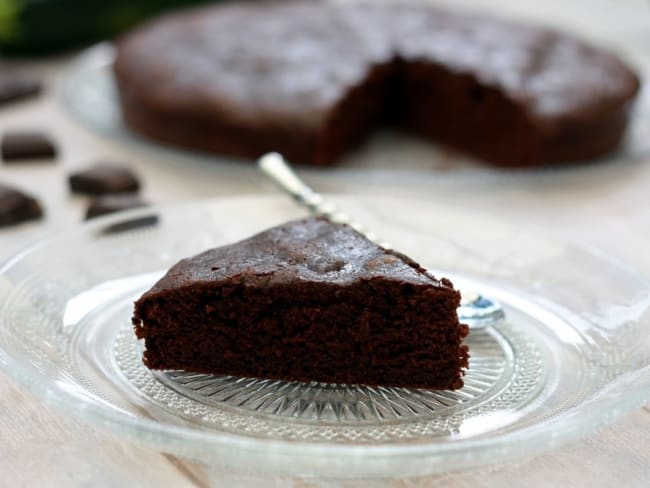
point(47, 26)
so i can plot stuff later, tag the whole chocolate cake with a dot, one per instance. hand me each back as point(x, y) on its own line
point(312, 79)
point(309, 301)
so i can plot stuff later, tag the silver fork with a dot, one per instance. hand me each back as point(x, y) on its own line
point(475, 310)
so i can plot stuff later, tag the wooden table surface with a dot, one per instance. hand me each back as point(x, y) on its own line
point(604, 205)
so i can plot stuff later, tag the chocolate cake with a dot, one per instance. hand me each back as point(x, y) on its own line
point(308, 301)
point(312, 79)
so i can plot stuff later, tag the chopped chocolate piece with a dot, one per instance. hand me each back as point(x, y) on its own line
point(18, 87)
point(312, 80)
point(308, 301)
point(16, 206)
point(17, 146)
point(104, 178)
point(106, 204)
point(130, 224)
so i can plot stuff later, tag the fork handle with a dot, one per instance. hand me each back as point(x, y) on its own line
point(275, 167)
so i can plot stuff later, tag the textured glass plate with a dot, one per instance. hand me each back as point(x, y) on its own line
point(88, 92)
point(573, 355)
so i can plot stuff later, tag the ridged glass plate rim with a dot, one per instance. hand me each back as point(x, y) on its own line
point(620, 396)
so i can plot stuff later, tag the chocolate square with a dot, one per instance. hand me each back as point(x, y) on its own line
point(19, 146)
point(18, 87)
point(16, 206)
point(104, 178)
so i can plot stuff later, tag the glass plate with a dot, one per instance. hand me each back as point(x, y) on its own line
point(88, 92)
point(573, 355)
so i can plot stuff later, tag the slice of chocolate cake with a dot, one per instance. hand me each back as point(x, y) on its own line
point(308, 301)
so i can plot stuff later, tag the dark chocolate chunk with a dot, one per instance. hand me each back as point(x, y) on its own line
point(106, 204)
point(130, 224)
point(18, 146)
point(104, 178)
point(16, 206)
point(306, 301)
point(18, 87)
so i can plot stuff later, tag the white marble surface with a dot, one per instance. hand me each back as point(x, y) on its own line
point(604, 206)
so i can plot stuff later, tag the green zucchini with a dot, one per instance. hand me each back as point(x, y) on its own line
point(47, 26)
